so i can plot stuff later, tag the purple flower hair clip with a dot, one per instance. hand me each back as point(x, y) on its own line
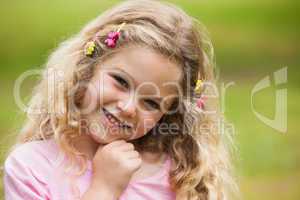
point(113, 37)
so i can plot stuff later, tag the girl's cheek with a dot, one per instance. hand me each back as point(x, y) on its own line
point(149, 122)
point(96, 92)
point(89, 100)
point(153, 116)
point(107, 91)
point(144, 126)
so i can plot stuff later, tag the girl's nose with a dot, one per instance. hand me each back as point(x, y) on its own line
point(127, 108)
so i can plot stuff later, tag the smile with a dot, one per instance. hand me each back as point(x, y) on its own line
point(114, 121)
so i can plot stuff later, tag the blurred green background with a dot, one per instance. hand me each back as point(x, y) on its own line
point(252, 39)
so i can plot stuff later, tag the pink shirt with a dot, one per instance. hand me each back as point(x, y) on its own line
point(33, 171)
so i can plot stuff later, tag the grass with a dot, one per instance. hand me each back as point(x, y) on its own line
point(252, 40)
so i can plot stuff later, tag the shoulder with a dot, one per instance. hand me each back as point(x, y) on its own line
point(36, 156)
point(35, 151)
point(28, 169)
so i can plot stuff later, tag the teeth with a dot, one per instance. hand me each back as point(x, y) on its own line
point(114, 121)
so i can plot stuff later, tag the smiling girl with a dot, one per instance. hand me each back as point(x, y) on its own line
point(115, 115)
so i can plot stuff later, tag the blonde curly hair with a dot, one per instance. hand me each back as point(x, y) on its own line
point(201, 159)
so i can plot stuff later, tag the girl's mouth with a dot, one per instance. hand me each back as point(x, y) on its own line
point(114, 121)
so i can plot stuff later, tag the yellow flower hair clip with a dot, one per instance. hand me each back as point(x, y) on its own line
point(198, 86)
point(90, 48)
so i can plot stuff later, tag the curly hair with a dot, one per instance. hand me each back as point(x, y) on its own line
point(200, 154)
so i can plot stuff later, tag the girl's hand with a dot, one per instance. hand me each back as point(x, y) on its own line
point(113, 166)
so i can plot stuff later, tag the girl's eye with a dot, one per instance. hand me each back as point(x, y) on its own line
point(121, 81)
point(152, 104)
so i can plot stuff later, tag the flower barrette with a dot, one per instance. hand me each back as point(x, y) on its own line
point(201, 100)
point(198, 87)
point(90, 48)
point(113, 37)
point(110, 41)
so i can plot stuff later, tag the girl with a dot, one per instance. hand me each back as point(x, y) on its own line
point(117, 114)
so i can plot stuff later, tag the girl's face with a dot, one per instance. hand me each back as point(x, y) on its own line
point(128, 94)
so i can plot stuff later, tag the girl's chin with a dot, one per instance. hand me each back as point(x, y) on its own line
point(104, 134)
point(105, 139)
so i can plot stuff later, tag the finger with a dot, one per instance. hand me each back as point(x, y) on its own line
point(132, 154)
point(126, 147)
point(117, 143)
point(137, 162)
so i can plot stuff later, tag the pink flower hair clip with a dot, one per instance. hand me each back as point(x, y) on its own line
point(113, 37)
point(110, 41)
point(200, 102)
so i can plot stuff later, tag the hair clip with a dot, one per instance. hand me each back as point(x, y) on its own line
point(201, 100)
point(111, 41)
point(113, 37)
point(90, 48)
point(198, 86)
